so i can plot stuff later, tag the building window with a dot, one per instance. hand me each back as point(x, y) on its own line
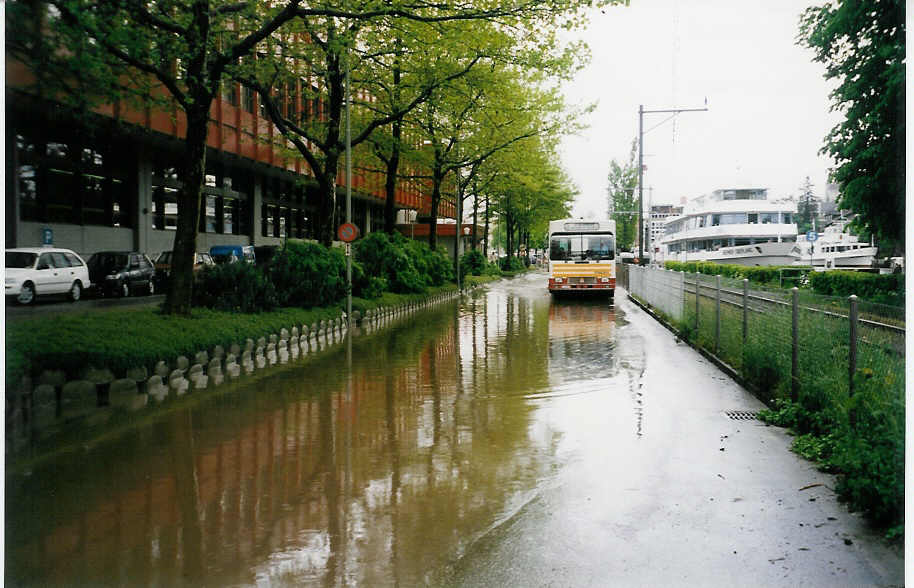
point(229, 93)
point(164, 208)
point(247, 99)
point(211, 224)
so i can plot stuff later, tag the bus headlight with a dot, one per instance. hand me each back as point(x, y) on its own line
point(604, 280)
point(558, 280)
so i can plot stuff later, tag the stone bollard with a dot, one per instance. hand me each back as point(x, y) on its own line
point(78, 399)
point(305, 331)
point(44, 406)
point(139, 376)
point(123, 394)
point(218, 352)
point(271, 354)
point(283, 334)
point(156, 389)
point(202, 357)
point(177, 382)
point(235, 349)
point(294, 349)
point(314, 329)
point(249, 344)
point(356, 317)
point(259, 359)
point(102, 379)
point(261, 342)
point(214, 371)
point(197, 377)
point(283, 352)
point(162, 370)
point(182, 363)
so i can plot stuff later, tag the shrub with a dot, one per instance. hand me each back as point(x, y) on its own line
point(408, 266)
point(882, 288)
point(239, 287)
point(308, 275)
point(756, 274)
point(512, 264)
point(473, 262)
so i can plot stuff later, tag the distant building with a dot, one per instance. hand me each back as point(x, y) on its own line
point(654, 228)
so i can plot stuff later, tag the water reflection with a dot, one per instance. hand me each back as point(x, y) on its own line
point(314, 474)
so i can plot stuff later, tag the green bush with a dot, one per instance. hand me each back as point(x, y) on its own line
point(240, 287)
point(881, 288)
point(473, 263)
point(511, 264)
point(308, 275)
point(408, 266)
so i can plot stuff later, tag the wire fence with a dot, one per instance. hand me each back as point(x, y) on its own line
point(785, 342)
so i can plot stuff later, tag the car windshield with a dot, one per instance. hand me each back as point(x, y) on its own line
point(108, 261)
point(581, 247)
point(21, 259)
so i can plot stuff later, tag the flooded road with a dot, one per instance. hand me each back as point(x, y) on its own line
point(506, 440)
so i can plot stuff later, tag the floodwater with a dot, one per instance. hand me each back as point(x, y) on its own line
point(381, 474)
point(503, 440)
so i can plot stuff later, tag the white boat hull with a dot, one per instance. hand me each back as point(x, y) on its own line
point(757, 254)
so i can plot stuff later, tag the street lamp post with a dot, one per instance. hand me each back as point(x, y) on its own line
point(641, 113)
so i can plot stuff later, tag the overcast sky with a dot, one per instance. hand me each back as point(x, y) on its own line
point(768, 102)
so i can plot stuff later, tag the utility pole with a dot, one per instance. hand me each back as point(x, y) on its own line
point(641, 113)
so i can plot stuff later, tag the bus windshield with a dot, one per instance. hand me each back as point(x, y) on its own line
point(581, 247)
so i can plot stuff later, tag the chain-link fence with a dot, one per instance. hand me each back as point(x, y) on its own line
point(840, 362)
point(785, 342)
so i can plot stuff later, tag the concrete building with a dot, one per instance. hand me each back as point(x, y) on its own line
point(108, 180)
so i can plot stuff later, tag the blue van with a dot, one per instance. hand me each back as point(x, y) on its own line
point(232, 253)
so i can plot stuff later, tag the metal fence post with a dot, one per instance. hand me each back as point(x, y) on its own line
point(852, 351)
point(795, 351)
point(745, 310)
point(717, 320)
point(681, 295)
point(697, 300)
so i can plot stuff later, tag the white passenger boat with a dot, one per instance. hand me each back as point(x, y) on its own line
point(737, 225)
point(834, 247)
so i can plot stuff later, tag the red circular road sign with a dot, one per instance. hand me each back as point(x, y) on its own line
point(347, 232)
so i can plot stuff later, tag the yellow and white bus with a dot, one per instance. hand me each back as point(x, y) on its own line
point(582, 256)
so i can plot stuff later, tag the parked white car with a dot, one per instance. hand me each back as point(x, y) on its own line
point(39, 271)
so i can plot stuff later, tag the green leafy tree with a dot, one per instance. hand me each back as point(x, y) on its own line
point(622, 181)
point(862, 45)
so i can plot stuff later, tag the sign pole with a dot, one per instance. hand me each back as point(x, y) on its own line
point(348, 197)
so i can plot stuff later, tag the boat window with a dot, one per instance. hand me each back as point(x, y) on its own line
point(788, 218)
point(733, 219)
point(715, 220)
point(768, 217)
point(753, 218)
point(738, 242)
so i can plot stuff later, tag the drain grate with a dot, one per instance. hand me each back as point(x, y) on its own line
point(741, 415)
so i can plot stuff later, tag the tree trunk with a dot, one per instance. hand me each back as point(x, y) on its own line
point(393, 164)
point(390, 182)
point(437, 178)
point(475, 215)
point(180, 292)
point(485, 236)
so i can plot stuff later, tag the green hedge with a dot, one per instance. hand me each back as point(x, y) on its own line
point(770, 274)
point(884, 288)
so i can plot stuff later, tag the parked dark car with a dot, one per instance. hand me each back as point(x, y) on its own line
point(163, 265)
point(121, 273)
